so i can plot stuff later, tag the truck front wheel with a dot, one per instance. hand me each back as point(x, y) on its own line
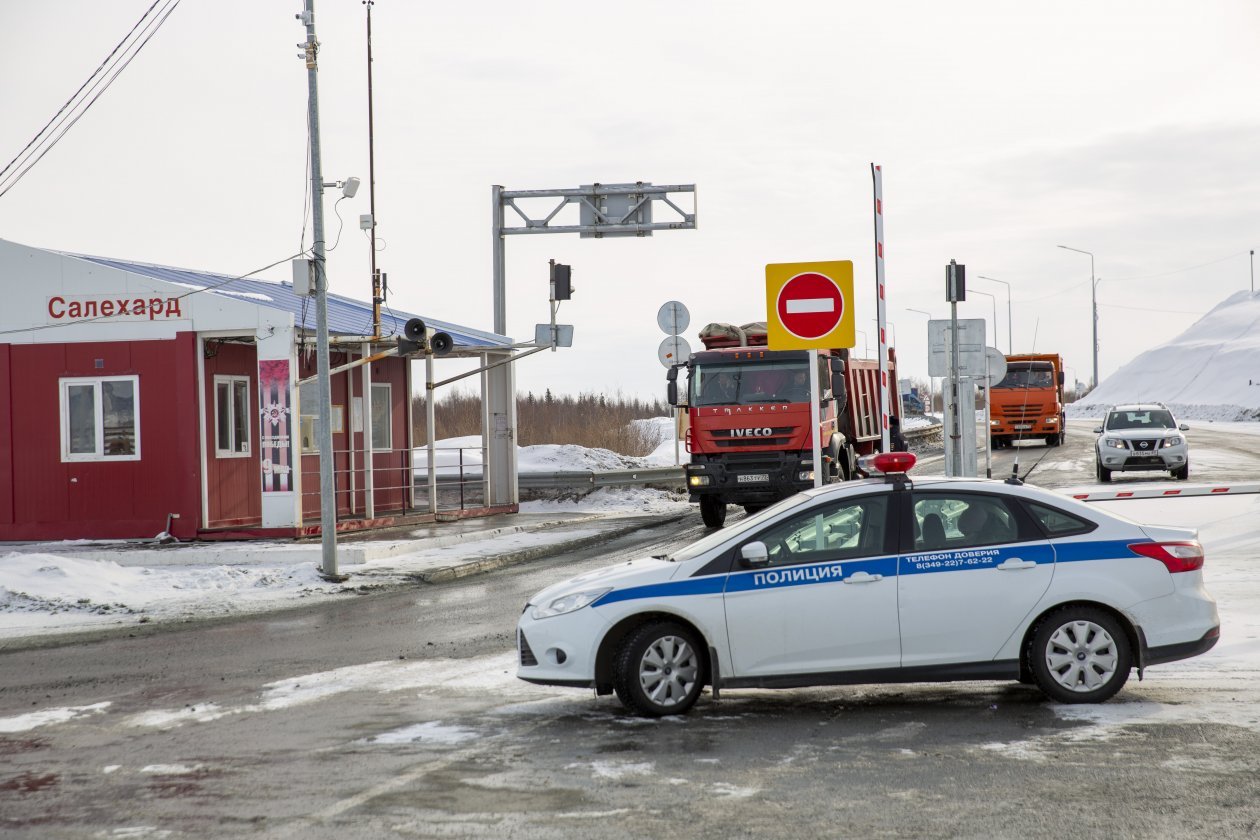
point(713, 511)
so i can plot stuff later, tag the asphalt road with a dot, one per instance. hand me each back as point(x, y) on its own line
point(1215, 455)
point(398, 716)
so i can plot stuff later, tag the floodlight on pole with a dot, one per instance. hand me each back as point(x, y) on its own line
point(1093, 297)
point(1010, 346)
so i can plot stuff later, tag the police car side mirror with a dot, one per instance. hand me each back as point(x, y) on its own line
point(754, 554)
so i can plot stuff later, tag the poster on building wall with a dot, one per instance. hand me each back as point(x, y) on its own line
point(276, 436)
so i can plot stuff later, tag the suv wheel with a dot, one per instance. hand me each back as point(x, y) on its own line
point(1104, 474)
point(1183, 473)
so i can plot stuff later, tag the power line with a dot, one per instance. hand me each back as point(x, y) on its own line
point(1176, 270)
point(75, 107)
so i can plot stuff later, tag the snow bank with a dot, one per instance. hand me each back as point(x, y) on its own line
point(1209, 372)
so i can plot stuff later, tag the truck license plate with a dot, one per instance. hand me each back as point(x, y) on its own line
point(752, 478)
point(1022, 427)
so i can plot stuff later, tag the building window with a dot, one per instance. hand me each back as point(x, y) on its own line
point(382, 428)
point(231, 416)
point(100, 418)
point(308, 398)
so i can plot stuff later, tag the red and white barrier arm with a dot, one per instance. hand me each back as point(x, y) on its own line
point(1165, 492)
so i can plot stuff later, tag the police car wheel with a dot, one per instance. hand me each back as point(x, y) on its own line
point(659, 670)
point(1080, 655)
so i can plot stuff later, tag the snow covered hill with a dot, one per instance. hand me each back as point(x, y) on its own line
point(1209, 372)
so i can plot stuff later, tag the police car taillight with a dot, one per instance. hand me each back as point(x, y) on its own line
point(888, 463)
point(1177, 556)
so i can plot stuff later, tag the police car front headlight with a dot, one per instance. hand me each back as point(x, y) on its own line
point(1175, 440)
point(569, 603)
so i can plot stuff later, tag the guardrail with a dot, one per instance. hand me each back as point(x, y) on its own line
point(665, 476)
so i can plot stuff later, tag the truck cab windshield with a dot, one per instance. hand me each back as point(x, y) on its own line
point(750, 383)
point(1027, 376)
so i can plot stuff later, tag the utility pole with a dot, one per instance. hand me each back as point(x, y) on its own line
point(377, 298)
point(327, 490)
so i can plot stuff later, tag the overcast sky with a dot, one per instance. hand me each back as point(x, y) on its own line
point(1129, 129)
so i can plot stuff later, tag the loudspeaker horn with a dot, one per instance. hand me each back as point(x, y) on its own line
point(414, 330)
point(441, 343)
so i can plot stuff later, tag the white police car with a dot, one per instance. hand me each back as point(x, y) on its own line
point(882, 580)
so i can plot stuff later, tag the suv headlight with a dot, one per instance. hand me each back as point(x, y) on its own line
point(1115, 443)
point(569, 603)
point(1175, 440)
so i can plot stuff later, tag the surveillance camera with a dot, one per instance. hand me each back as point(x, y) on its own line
point(350, 187)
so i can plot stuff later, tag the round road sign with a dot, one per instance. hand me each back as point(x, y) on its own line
point(674, 350)
point(673, 318)
point(810, 305)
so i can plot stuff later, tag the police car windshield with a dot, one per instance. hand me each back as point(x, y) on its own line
point(723, 535)
point(750, 383)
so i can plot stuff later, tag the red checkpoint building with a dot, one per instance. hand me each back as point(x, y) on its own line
point(137, 399)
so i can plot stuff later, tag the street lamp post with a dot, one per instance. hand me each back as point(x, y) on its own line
point(1093, 298)
point(1253, 272)
point(931, 401)
point(993, 298)
point(866, 345)
point(1010, 347)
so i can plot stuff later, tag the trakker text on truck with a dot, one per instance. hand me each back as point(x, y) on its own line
point(748, 418)
point(1028, 403)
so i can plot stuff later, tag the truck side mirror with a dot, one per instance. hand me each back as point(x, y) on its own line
point(837, 367)
point(671, 386)
point(1061, 380)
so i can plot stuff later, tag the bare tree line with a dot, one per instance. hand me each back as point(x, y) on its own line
point(597, 421)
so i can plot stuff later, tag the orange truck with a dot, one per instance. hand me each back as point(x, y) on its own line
point(1028, 403)
point(748, 418)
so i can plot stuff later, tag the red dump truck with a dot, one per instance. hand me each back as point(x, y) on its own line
point(1028, 403)
point(748, 416)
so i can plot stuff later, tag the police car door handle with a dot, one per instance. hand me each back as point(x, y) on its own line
point(1015, 563)
point(863, 577)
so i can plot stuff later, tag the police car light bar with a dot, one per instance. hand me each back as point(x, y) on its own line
point(887, 463)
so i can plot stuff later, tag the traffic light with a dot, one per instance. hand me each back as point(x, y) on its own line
point(562, 276)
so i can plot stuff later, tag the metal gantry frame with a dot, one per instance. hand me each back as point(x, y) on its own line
point(605, 210)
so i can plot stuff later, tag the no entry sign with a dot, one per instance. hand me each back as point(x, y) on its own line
point(809, 305)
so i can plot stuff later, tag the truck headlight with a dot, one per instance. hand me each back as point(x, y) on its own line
point(1116, 444)
point(805, 475)
point(569, 603)
point(1175, 440)
point(698, 480)
point(1052, 420)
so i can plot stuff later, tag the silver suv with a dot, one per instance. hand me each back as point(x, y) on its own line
point(1143, 436)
